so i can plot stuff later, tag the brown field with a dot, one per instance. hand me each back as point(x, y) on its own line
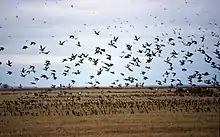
point(111, 112)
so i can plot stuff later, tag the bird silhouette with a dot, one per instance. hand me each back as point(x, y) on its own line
point(217, 44)
point(170, 39)
point(72, 57)
point(77, 72)
point(99, 72)
point(207, 58)
point(145, 78)
point(44, 76)
point(9, 72)
point(91, 77)
point(68, 67)
point(202, 38)
point(33, 83)
point(2, 48)
point(96, 32)
point(136, 38)
point(108, 64)
point(190, 61)
point(81, 60)
point(33, 43)
point(128, 47)
point(179, 37)
point(158, 82)
point(62, 42)
point(112, 72)
point(95, 61)
point(71, 36)
point(23, 70)
point(64, 60)
point(73, 81)
point(108, 57)
point(115, 39)
point(184, 69)
point(9, 63)
point(156, 40)
point(36, 79)
point(77, 64)
point(23, 75)
point(112, 44)
point(47, 52)
point(42, 48)
point(78, 44)
point(24, 47)
point(106, 68)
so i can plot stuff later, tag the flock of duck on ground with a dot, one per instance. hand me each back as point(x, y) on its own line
point(108, 102)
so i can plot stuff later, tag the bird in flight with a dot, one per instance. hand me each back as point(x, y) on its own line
point(207, 58)
point(203, 38)
point(71, 37)
point(136, 38)
point(115, 39)
point(62, 42)
point(24, 47)
point(170, 39)
point(2, 48)
point(96, 32)
point(112, 44)
point(33, 43)
point(128, 46)
point(9, 63)
point(9, 72)
point(42, 48)
point(78, 44)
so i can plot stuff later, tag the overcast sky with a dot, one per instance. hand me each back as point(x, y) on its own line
point(47, 22)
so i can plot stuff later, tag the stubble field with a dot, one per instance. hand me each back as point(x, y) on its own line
point(111, 112)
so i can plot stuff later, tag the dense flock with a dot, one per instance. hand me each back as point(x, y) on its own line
point(178, 51)
point(109, 102)
point(125, 57)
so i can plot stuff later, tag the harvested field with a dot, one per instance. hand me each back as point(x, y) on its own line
point(111, 112)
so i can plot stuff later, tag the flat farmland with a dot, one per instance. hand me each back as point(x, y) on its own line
point(110, 112)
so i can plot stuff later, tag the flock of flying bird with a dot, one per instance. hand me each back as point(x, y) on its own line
point(149, 50)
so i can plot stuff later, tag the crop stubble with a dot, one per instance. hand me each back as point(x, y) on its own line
point(110, 112)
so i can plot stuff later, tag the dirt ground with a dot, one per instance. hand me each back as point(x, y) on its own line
point(110, 112)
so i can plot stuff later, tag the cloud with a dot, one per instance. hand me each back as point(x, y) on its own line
point(31, 59)
point(25, 59)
